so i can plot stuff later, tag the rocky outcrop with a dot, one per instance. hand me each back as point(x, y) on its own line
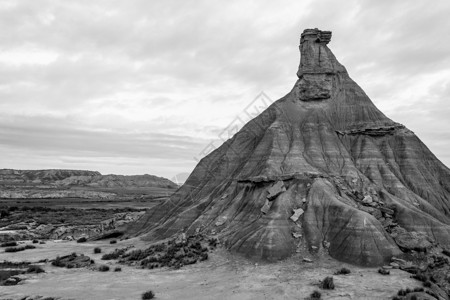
point(359, 177)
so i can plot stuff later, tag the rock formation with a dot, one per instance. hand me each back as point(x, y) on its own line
point(54, 184)
point(320, 169)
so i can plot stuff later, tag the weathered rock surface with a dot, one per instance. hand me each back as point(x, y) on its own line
point(356, 174)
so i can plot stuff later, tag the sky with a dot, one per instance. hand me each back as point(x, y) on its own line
point(142, 87)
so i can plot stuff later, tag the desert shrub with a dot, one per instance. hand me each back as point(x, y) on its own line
point(30, 247)
point(384, 271)
point(420, 276)
point(103, 268)
point(315, 295)
point(97, 250)
point(41, 242)
point(203, 256)
point(413, 297)
point(117, 269)
point(148, 295)
point(396, 298)
point(427, 284)
point(82, 240)
point(9, 244)
point(327, 283)
point(342, 271)
point(418, 289)
point(159, 247)
point(213, 242)
point(57, 262)
point(403, 292)
point(14, 249)
point(114, 255)
point(35, 269)
point(113, 242)
point(35, 241)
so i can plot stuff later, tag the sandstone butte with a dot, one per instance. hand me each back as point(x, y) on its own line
point(320, 169)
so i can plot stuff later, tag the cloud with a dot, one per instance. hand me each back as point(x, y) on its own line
point(114, 85)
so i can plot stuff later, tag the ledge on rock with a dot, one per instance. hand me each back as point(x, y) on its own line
point(316, 35)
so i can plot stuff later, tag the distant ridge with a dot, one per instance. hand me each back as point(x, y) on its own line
point(63, 177)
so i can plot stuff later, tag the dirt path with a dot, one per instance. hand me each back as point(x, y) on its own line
point(223, 276)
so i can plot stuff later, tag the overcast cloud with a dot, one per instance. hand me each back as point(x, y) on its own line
point(133, 87)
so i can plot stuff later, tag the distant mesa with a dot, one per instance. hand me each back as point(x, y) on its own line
point(57, 183)
point(321, 170)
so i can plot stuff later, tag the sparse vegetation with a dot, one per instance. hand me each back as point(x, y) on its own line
point(58, 215)
point(316, 295)
point(82, 240)
point(383, 271)
point(72, 261)
point(148, 295)
point(97, 250)
point(21, 248)
point(9, 244)
point(117, 269)
point(103, 268)
point(327, 283)
point(114, 255)
point(35, 269)
point(35, 241)
point(342, 271)
point(113, 242)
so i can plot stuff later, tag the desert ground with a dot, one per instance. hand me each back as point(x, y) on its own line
point(222, 276)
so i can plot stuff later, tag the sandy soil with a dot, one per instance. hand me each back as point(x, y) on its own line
point(223, 276)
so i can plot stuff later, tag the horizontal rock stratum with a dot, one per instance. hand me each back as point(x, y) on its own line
point(321, 167)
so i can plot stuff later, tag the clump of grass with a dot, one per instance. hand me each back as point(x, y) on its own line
point(148, 295)
point(35, 269)
point(97, 250)
point(103, 268)
point(9, 244)
point(316, 295)
point(384, 271)
point(117, 269)
point(327, 283)
point(342, 271)
point(82, 240)
point(21, 248)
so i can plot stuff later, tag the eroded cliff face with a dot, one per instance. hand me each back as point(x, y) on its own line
point(321, 168)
